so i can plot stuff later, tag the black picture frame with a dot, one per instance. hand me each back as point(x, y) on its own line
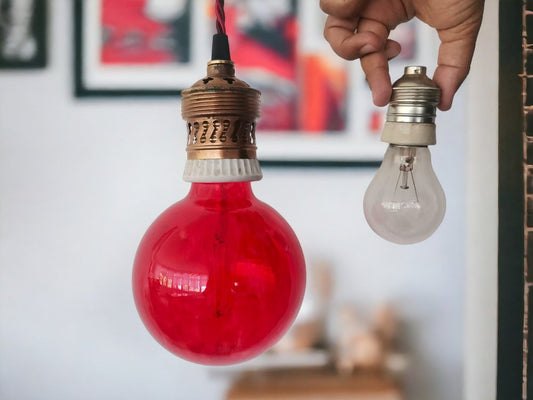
point(30, 51)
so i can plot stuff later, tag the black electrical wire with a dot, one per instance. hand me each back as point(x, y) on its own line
point(220, 48)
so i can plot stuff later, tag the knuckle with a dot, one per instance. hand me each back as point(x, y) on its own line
point(340, 8)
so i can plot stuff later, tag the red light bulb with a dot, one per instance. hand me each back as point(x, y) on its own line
point(219, 276)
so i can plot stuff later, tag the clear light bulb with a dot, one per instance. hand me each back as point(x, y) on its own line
point(405, 202)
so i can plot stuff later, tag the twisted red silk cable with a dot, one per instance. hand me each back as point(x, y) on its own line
point(221, 16)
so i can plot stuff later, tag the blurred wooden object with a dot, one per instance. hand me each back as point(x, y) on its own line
point(305, 384)
point(364, 345)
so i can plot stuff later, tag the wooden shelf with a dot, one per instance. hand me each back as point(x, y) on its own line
point(300, 384)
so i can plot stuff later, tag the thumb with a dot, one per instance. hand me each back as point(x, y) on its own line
point(455, 55)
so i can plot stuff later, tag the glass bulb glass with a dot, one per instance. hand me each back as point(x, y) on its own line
point(219, 276)
point(405, 202)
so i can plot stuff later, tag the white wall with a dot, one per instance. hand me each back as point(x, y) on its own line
point(80, 180)
point(481, 302)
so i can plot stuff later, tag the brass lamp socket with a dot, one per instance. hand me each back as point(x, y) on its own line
point(221, 113)
point(412, 109)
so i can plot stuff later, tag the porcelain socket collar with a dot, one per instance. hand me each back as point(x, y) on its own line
point(409, 134)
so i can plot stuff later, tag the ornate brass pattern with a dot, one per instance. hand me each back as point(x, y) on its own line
point(220, 111)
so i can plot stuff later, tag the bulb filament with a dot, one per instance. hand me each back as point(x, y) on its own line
point(406, 167)
point(407, 160)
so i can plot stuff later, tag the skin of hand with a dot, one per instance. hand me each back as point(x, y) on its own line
point(360, 29)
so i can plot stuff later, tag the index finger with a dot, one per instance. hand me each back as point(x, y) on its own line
point(376, 65)
point(349, 43)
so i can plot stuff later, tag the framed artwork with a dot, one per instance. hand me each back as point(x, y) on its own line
point(23, 34)
point(316, 108)
point(138, 47)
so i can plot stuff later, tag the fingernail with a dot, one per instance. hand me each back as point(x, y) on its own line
point(367, 49)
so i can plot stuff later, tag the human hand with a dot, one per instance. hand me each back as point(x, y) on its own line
point(360, 29)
